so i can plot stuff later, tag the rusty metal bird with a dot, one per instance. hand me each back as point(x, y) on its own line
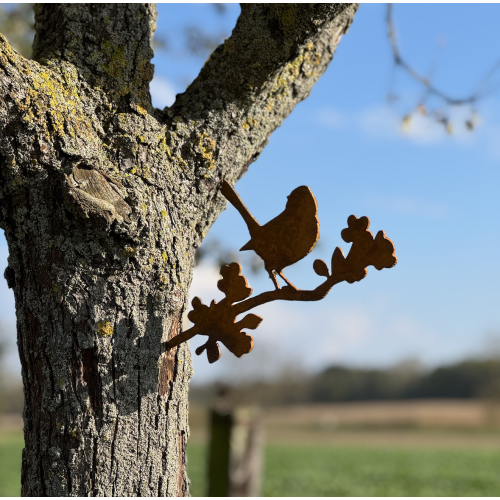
point(287, 238)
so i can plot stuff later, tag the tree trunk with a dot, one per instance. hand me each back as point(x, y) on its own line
point(104, 200)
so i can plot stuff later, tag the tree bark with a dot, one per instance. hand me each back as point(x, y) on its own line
point(103, 200)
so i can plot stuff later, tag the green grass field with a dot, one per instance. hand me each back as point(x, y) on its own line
point(327, 471)
point(352, 471)
point(317, 471)
point(10, 464)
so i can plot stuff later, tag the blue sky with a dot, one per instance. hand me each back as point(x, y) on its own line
point(435, 195)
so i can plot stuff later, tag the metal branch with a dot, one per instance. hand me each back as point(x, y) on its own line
point(285, 293)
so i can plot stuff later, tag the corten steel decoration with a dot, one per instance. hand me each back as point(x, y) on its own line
point(281, 242)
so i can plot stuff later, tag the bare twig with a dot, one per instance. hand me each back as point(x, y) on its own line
point(430, 88)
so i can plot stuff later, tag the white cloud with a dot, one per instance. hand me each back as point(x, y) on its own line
point(369, 333)
point(332, 118)
point(378, 122)
point(204, 285)
point(410, 206)
point(381, 122)
point(426, 130)
point(162, 92)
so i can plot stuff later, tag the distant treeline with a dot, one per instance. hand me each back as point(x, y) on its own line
point(467, 379)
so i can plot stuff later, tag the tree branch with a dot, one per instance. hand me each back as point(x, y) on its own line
point(108, 43)
point(249, 85)
point(12, 68)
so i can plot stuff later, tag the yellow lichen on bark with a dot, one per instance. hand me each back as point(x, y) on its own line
point(105, 329)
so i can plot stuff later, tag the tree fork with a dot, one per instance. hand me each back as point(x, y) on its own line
point(103, 200)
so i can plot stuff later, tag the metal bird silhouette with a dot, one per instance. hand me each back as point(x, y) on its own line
point(287, 238)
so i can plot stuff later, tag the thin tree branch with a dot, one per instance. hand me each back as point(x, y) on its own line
point(399, 61)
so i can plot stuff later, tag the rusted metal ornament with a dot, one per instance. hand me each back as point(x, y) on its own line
point(287, 238)
point(281, 242)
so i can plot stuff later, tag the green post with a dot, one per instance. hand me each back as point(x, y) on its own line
point(219, 454)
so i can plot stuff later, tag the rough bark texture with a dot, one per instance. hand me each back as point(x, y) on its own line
point(104, 200)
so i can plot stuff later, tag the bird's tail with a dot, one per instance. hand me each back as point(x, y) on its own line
point(233, 197)
point(247, 246)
